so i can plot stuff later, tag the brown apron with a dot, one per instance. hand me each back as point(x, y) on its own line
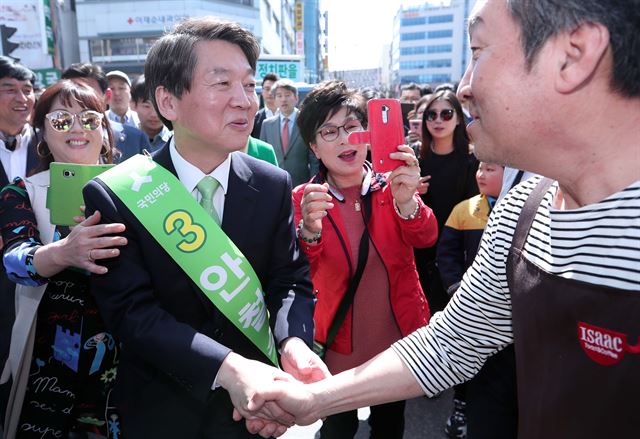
point(577, 366)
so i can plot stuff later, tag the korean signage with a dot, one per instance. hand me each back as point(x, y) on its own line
point(46, 77)
point(285, 68)
point(33, 35)
point(299, 16)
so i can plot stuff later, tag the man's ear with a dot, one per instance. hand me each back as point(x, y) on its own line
point(582, 51)
point(166, 103)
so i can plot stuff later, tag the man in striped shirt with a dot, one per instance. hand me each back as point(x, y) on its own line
point(553, 88)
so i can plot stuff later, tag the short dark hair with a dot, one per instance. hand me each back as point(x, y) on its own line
point(172, 59)
point(286, 84)
point(411, 86)
point(323, 102)
point(540, 20)
point(138, 90)
point(12, 69)
point(70, 91)
point(460, 136)
point(426, 89)
point(445, 86)
point(87, 71)
point(270, 77)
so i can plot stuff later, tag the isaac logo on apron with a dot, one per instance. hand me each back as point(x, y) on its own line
point(604, 346)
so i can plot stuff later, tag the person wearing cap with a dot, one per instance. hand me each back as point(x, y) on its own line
point(119, 110)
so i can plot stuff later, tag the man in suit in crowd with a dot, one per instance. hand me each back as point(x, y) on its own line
point(18, 156)
point(129, 140)
point(281, 131)
point(270, 109)
point(183, 360)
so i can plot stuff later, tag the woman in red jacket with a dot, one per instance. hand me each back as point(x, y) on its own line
point(354, 223)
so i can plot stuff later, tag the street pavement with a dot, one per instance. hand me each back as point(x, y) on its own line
point(424, 419)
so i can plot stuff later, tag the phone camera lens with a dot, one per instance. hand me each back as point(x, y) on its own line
point(68, 173)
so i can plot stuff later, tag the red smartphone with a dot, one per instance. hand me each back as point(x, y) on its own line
point(385, 133)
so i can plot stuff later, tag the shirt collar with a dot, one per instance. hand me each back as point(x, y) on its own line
point(366, 184)
point(190, 175)
point(25, 133)
point(164, 134)
point(291, 117)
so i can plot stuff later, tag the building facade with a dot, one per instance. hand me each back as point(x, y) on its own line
point(430, 43)
point(313, 35)
point(117, 34)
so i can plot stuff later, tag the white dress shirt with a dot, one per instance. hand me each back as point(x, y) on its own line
point(15, 162)
point(292, 121)
point(190, 176)
point(130, 118)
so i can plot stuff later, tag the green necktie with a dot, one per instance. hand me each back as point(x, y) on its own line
point(207, 187)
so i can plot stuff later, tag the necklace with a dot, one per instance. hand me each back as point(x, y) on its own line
point(356, 205)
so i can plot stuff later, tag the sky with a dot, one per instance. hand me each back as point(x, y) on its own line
point(358, 29)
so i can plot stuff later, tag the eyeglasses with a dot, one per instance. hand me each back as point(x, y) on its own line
point(62, 120)
point(331, 133)
point(445, 115)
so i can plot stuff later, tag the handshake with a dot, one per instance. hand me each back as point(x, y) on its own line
point(271, 400)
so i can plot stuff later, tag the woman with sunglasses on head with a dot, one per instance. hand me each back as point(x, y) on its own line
point(358, 229)
point(62, 359)
point(448, 170)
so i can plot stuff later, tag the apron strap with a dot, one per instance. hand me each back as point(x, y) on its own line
point(528, 213)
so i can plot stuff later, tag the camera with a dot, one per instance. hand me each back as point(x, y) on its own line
point(68, 173)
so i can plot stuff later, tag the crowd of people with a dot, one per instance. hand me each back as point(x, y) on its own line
point(245, 269)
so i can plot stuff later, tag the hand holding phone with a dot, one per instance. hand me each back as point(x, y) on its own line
point(64, 196)
point(385, 133)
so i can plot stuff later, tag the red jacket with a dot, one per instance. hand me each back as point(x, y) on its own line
point(393, 238)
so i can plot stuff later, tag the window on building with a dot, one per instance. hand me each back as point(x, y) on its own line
point(412, 36)
point(439, 48)
point(120, 49)
point(433, 78)
point(240, 2)
point(267, 9)
point(425, 64)
point(277, 23)
point(413, 21)
point(441, 19)
point(416, 50)
point(444, 33)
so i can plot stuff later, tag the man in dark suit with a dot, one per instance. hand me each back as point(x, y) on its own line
point(281, 131)
point(128, 139)
point(17, 156)
point(270, 108)
point(183, 361)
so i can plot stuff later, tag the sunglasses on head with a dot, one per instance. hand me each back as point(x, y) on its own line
point(445, 115)
point(62, 120)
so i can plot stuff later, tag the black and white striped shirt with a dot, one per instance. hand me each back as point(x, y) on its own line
point(598, 244)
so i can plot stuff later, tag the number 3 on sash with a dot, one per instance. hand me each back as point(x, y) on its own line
point(193, 233)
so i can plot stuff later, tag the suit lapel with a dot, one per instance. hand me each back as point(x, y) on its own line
point(163, 158)
point(274, 126)
point(239, 201)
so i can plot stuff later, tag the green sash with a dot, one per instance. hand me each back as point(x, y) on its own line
point(196, 243)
